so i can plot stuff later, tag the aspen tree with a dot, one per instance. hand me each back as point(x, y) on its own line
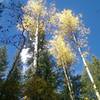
point(64, 57)
point(33, 21)
point(70, 24)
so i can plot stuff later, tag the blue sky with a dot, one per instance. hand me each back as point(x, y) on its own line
point(91, 13)
point(90, 9)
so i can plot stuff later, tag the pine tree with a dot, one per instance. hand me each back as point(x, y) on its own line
point(11, 86)
point(44, 81)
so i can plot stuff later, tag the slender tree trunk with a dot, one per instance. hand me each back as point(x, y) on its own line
point(36, 47)
point(71, 85)
point(68, 83)
point(87, 70)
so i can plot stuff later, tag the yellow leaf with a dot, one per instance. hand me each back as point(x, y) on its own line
point(61, 51)
point(68, 22)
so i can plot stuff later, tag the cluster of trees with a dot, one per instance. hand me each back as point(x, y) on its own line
point(55, 40)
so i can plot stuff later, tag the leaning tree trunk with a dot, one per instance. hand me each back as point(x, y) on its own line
point(17, 57)
point(68, 83)
point(87, 69)
point(36, 47)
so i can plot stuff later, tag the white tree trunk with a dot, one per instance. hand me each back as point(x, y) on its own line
point(71, 85)
point(68, 83)
point(35, 48)
point(87, 70)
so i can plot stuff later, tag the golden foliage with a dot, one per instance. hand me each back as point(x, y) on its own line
point(35, 6)
point(28, 22)
point(31, 18)
point(68, 22)
point(61, 51)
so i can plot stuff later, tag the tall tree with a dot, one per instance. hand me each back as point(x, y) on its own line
point(44, 75)
point(64, 58)
point(72, 27)
point(87, 90)
point(63, 23)
point(32, 21)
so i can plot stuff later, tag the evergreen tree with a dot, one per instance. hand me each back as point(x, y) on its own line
point(43, 83)
point(11, 86)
